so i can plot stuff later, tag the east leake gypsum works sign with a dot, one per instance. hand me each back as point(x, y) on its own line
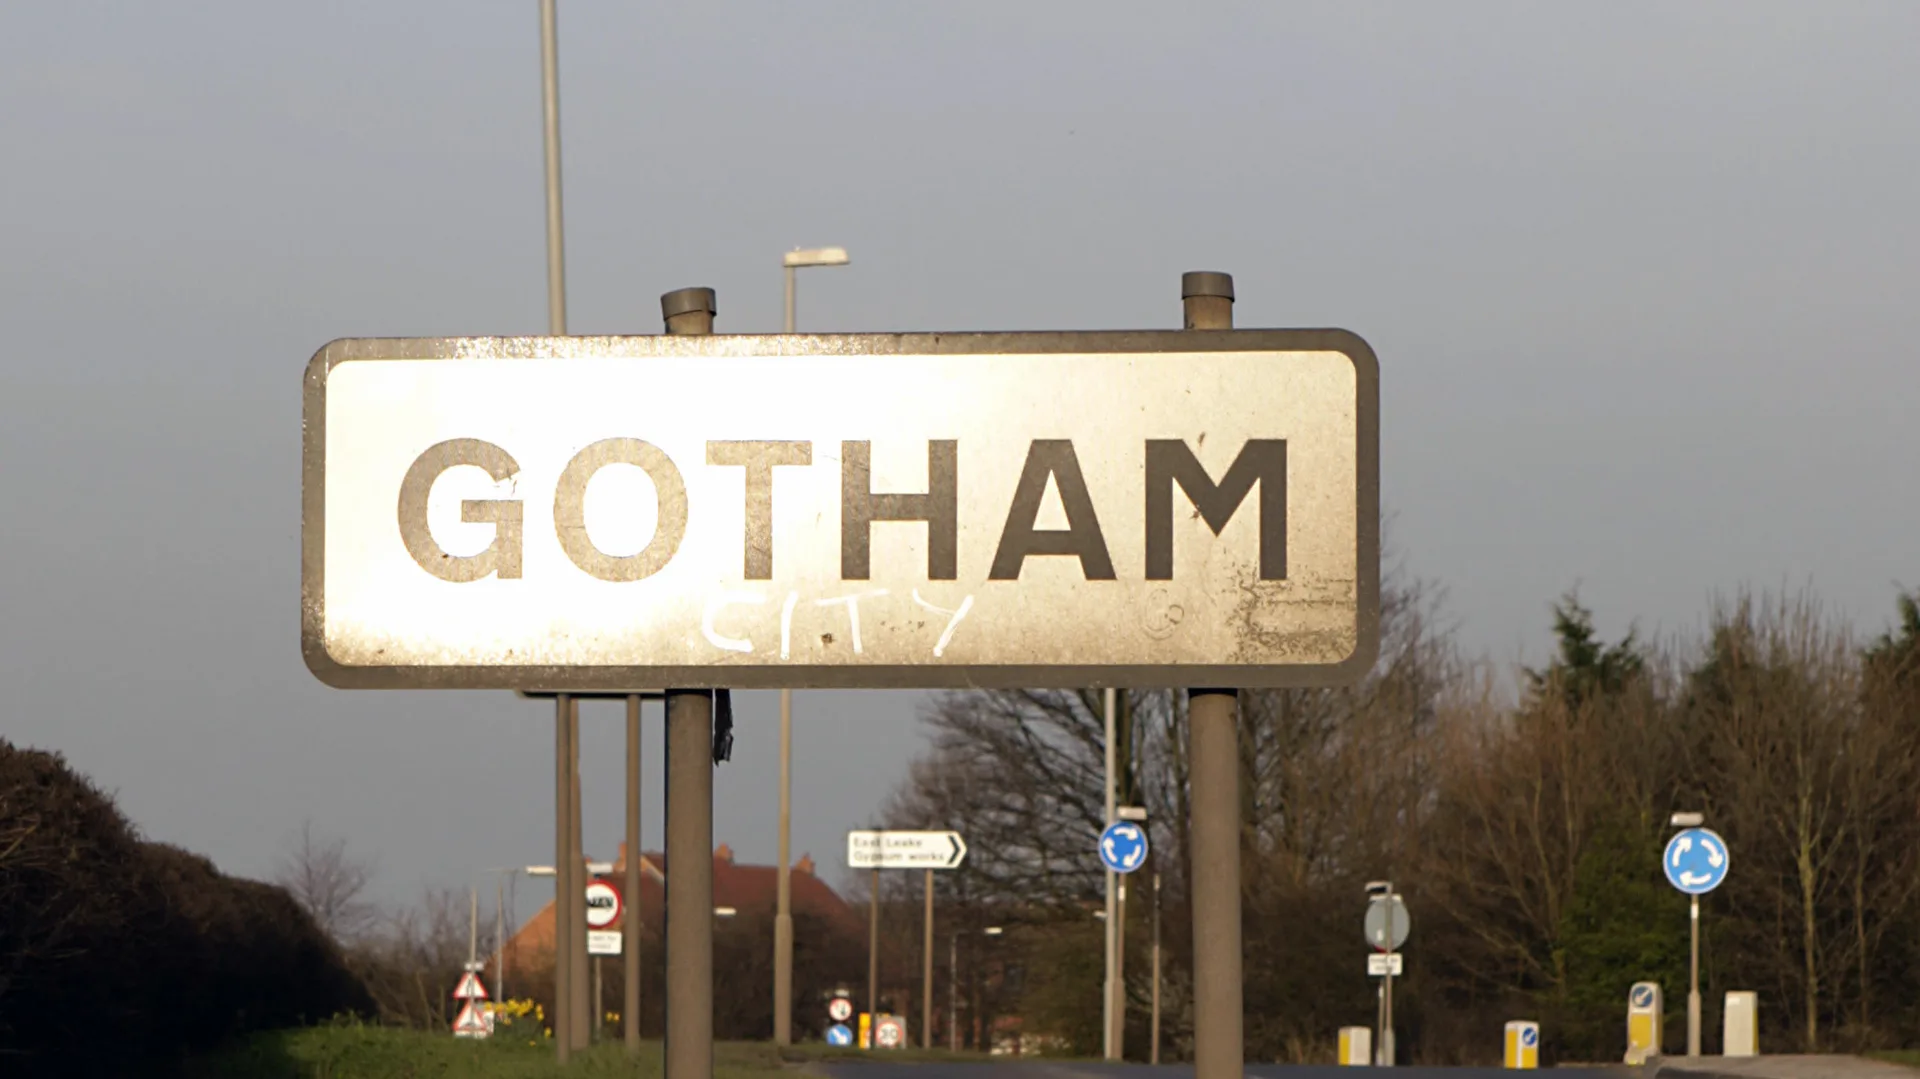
point(912, 510)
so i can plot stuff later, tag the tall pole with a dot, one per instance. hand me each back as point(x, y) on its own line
point(1214, 824)
point(473, 924)
point(1153, 1056)
point(783, 898)
point(630, 945)
point(562, 877)
point(500, 938)
point(783, 895)
point(585, 1017)
point(689, 1051)
point(1693, 986)
point(1106, 986)
point(926, 979)
point(953, 996)
point(550, 99)
point(1387, 1053)
point(873, 955)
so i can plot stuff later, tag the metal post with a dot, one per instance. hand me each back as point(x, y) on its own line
point(1153, 1056)
point(789, 321)
point(562, 873)
point(550, 102)
point(783, 914)
point(873, 954)
point(1386, 990)
point(599, 992)
point(1214, 825)
point(500, 939)
point(584, 1018)
point(953, 996)
point(473, 924)
point(630, 945)
point(1120, 970)
point(689, 925)
point(1106, 986)
point(1693, 986)
point(926, 980)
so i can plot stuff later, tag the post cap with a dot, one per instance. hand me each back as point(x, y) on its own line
point(1206, 283)
point(686, 301)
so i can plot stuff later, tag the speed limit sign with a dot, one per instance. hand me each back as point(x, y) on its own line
point(890, 1032)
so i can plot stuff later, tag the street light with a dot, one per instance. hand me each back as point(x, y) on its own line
point(724, 912)
point(791, 262)
point(953, 987)
point(1692, 820)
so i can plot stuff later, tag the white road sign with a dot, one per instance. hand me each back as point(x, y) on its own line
point(1379, 963)
point(605, 942)
point(921, 510)
point(603, 905)
point(905, 850)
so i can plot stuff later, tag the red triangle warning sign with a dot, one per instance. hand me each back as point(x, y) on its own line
point(470, 988)
point(471, 1022)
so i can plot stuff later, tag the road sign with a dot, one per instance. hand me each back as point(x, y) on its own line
point(1523, 1044)
point(840, 1009)
point(1695, 861)
point(862, 510)
point(1382, 934)
point(605, 942)
point(905, 850)
point(469, 987)
point(839, 1035)
point(603, 905)
point(890, 1032)
point(1644, 1022)
point(1380, 964)
point(471, 1022)
point(1123, 846)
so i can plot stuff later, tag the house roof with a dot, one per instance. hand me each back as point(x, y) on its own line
point(748, 889)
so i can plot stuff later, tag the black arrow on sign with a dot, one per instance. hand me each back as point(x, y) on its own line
point(954, 859)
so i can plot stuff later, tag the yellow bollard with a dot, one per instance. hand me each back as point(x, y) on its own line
point(1644, 1020)
point(1356, 1046)
point(1523, 1044)
point(866, 1031)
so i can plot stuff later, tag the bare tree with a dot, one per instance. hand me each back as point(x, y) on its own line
point(328, 882)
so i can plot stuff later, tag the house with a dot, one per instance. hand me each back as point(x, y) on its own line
point(743, 890)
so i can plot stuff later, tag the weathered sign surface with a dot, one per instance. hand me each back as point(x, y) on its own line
point(909, 510)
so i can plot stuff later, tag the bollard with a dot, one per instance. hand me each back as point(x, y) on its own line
point(1645, 1018)
point(1356, 1046)
point(1523, 1044)
point(1740, 1025)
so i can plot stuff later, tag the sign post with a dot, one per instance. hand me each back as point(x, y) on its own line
point(1387, 925)
point(856, 511)
point(926, 851)
point(1695, 862)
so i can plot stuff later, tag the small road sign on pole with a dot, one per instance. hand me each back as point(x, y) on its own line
point(905, 850)
point(1123, 846)
point(890, 1032)
point(1381, 964)
point(603, 905)
point(1695, 861)
point(840, 1009)
point(839, 1036)
point(1387, 923)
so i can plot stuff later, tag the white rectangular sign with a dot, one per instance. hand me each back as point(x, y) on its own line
point(605, 942)
point(905, 850)
point(1380, 962)
point(1070, 509)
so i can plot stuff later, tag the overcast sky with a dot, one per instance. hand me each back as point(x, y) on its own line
point(1641, 278)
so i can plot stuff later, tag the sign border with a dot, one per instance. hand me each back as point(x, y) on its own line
point(621, 679)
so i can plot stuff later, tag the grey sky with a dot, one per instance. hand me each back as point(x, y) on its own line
point(1640, 276)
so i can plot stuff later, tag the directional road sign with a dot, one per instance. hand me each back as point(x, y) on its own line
point(603, 905)
point(839, 1035)
point(1380, 964)
point(1695, 861)
point(905, 850)
point(1387, 923)
point(1123, 846)
point(859, 510)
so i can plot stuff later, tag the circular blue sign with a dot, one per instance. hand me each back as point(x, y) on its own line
point(1642, 996)
point(1529, 1035)
point(1695, 861)
point(1123, 846)
point(839, 1035)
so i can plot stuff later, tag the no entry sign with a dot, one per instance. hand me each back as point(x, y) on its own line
point(918, 510)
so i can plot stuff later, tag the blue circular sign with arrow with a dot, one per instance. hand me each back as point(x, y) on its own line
point(1123, 846)
point(1642, 996)
point(1695, 861)
point(839, 1035)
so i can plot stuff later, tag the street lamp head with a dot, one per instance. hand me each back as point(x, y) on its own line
point(815, 256)
point(539, 871)
point(1688, 820)
point(725, 912)
point(1137, 814)
point(993, 930)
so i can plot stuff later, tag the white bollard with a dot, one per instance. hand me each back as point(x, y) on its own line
point(1356, 1046)
point(1740, 1028)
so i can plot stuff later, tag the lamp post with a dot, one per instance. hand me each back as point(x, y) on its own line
point(791, 262)
point(1692, 820)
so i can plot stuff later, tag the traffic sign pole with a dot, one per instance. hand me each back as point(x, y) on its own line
point(1696, 862)
point(1693, 985)
point(689, 1049)
point(1213, 751)
point(1107, 1024)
